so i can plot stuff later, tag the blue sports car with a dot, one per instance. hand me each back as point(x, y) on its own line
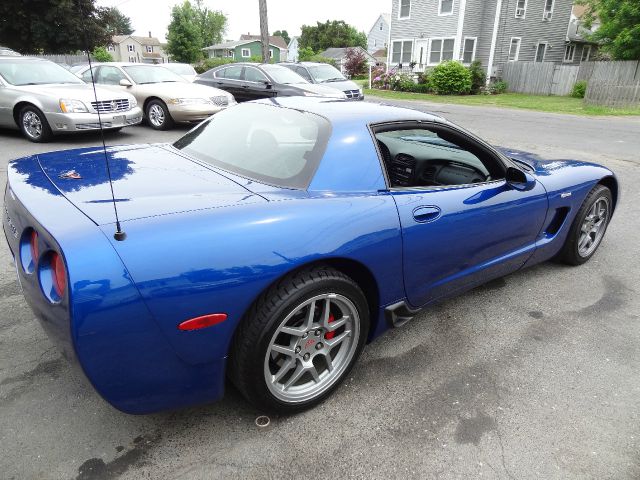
point(274, 240)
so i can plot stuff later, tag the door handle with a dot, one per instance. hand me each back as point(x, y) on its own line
point(426, 214)
point(245, 86)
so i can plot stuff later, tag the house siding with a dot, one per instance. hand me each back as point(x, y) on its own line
point(424, 23)
point(377, 38)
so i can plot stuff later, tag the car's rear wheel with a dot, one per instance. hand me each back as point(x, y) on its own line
point(158, 115)
point(588, 228)
point(299, 340)
point(34, 125)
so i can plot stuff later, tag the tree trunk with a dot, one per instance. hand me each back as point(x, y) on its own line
point(264, 30)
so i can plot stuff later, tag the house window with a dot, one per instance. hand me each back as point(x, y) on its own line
point(271, 53)
point(405, 9)
point(445, 7)
point(132, 59)
point(586, 53)
point(469, 50)
point(514, 49)
point(381, 26)
point(548, 10)
point(541, 50)
point(521, 8)
point(110, 48)
point(246, 53)
point(149, 49)
point(569, 52)
point(401, 52)
point(440, 49)
point(131, 48)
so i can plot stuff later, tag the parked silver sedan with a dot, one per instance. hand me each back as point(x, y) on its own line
point(165, 97)
point(42, 99)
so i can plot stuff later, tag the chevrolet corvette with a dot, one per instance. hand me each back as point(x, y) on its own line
point(271, 242)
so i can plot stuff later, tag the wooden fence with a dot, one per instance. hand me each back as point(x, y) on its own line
point(608, 83)
point(65, 59)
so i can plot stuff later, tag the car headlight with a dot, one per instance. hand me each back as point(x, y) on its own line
point(72, 106)
point(133, 103)
point(360, 91)
point(189, 101)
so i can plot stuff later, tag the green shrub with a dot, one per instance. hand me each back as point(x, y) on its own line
point(404, 83)
point(450, 78)
point(321, 59)
point(496, 88)
point(478, 77)
point(100, 54)
point(210, 63)
point(579, 89)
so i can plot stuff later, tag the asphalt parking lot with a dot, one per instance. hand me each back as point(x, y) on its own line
point(536, 375)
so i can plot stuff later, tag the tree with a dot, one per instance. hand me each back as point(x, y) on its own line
point(116, 22)
point(212, 23)
point(331, 34)
point(619, 31)
point(101, 55)
point(184, 40)
point(52, 26)
point(264, 30)
point(355, 62)
point(305, 54)
point(283, 34)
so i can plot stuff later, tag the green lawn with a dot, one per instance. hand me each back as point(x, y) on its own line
point(541, 103)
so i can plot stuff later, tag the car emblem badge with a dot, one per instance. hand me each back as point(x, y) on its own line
point(309, 343)
point(114, 106)
point(70, 175)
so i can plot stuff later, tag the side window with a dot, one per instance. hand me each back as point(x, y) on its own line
point(109, 76)
point(254, 75)
point(231, 73)
point(435, 157)
point(304, 74)
point(86, 76)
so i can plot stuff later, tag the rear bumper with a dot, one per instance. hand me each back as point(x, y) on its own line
point(77, 122)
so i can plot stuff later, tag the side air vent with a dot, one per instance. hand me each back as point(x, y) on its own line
point(429, 174)
point(401, 171)
point(558, 220)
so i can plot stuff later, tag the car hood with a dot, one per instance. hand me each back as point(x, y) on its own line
point(148, 180)
point(179, 90)
point(80, 91)
point(320, 90)
point(343, 85)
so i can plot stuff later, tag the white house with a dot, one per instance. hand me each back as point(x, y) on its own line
point(292, 54)
point(129, 48)
point(379, 34)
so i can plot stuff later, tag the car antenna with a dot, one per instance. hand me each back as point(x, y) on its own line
point(119, 234)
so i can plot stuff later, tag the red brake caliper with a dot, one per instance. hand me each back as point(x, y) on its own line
point(330, 335)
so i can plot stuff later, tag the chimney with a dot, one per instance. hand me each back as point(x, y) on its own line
point(149, 33)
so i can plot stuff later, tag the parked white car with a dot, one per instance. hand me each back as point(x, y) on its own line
point(43, 99)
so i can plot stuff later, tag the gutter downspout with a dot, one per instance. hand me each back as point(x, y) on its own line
point(458, 55)
point(494, 38)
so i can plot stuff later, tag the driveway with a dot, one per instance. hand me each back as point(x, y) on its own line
point(531, 376)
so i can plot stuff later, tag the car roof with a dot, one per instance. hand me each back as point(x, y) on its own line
point(344, 111)
point(24, 59)
point(306, 64)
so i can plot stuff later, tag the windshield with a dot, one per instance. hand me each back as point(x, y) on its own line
point(282, 74)
point(142, 74)
point(180, 68)
point(270, 144)
point(21, 73)
point(326, 73)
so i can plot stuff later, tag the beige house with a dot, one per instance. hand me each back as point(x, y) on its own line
point(129, 48)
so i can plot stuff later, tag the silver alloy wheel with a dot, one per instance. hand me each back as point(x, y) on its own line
point(593, 227)
point(32, 124)
point(156, 115)
point(311, 348)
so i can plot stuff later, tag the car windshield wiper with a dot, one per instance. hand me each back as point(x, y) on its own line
point(334, 79)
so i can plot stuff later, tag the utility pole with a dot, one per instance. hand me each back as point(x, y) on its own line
point(264, 30)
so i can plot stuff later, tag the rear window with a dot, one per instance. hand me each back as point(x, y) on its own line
point(273, 145)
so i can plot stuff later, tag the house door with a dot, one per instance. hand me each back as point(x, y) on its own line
point(420, 54)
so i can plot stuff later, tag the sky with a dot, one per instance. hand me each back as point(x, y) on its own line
point(242, 15)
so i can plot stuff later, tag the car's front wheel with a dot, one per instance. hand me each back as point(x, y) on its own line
point(34, 125)
point(300, 340)
point(158, 115)
point(589, 227)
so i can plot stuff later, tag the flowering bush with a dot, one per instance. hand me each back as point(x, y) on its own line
point(450, 78)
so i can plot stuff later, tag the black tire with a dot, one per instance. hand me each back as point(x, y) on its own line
point(253, 337)
point(33, 133)
point(155, 121)
point(570, 253)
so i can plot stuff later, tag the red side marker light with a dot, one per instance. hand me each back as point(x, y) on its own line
point(58, 274)
point(33, 244)
point(203, 322)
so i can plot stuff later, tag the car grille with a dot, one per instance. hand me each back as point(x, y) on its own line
point(221, 101)
point(108, 106)
point(352, 94)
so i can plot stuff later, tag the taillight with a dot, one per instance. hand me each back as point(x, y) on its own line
point(58, 275)
point(33, 245)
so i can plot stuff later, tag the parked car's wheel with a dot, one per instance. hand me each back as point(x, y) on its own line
point(34, 125)
point(158, 115)
point(589, 227)
point(299, 340)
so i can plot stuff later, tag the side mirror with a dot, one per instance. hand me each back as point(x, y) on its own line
point(268, 85)
point(519, 180)
point(125, 83)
